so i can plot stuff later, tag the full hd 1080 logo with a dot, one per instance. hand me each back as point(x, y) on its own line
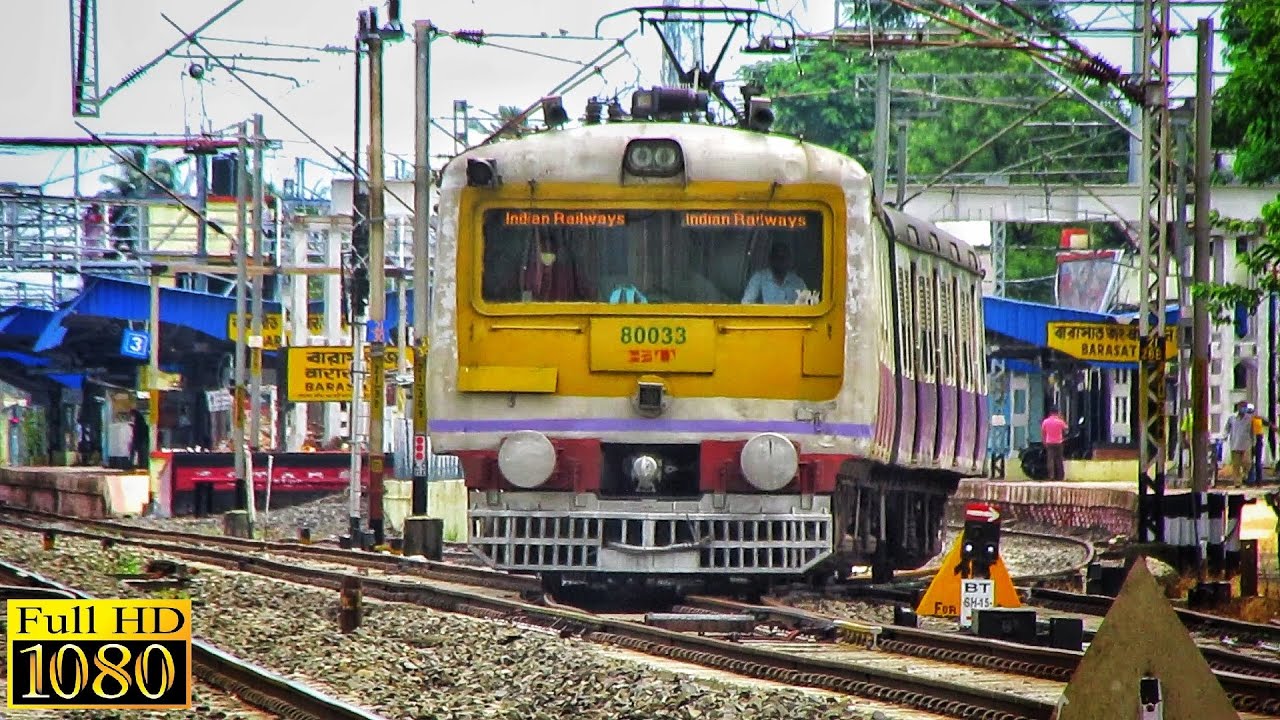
point(104, 654)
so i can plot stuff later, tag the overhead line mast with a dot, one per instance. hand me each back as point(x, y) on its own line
point(1148, 87)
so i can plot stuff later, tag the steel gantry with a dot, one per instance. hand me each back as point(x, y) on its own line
point(1153, 233)
point(1148, 88)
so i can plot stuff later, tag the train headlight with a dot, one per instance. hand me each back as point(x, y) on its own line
point(526, 459)
point(769, 461)
point(653, 158)
point(645, 470)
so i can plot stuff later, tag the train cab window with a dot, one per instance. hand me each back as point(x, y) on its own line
point(712, 256)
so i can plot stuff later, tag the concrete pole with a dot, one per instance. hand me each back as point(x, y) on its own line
point(300, 335)
point(153, 409)
point(900, 165)
point(1200, 337)
point(334, 320)
point(353, 426)
point(880, 152)
point(423, 35)
point(239, 519)
point(422, 535)
point(377, 291)
point(255, 377)
point(202, 226)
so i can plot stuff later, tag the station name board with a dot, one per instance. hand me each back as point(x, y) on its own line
point(323, 374)
point(1106, 342)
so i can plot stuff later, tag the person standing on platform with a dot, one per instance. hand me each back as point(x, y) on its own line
point(140, 453)
point(1053, 430)
point(1258, 425)
point(1239, 439)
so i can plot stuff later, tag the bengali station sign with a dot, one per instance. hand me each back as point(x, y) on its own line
point(1105, 342)
point(99, 654)
point(271, 328)
point(323, 373)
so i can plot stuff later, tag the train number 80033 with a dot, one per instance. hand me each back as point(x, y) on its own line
point(642, 335)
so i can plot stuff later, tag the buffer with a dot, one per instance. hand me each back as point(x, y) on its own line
point(973, 576)
point(1142, 663)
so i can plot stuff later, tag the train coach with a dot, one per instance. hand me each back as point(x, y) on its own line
point(686, 352)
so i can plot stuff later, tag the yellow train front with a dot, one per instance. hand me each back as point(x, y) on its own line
point(662, 349)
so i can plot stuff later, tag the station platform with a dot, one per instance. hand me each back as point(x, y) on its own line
point(1106, 505)
point(91, 492)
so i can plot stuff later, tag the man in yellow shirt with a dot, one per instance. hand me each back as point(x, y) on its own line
point(1258, 428)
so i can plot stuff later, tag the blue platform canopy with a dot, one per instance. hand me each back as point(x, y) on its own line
point(1026, 323)
point(72, 380)
point(24, 321)
point(130, 301)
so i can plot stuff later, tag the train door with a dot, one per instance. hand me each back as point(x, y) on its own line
point(948, 395)
point(977, 336)
point(967, 422)
point(908, 357)
point(926, 352)
point(888, 362)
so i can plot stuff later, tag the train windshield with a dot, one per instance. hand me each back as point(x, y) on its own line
point(703, 256)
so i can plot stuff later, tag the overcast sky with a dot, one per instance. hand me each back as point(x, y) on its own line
point(35, 86)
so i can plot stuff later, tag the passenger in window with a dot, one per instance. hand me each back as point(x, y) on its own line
point(552, 274)
point(776, 284)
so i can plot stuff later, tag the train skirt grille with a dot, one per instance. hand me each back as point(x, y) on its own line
point(637, 542)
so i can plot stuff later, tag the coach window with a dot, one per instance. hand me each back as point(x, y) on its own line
point(696, 256)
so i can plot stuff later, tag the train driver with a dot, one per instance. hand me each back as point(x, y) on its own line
point(776, 284)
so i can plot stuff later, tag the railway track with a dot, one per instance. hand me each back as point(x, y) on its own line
point(250, 683)
point(1253, 684)
point(431, 570)
point(856, 666)
point(758, 660)
point(1199, 622)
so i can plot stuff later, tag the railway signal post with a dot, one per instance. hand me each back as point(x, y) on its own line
point(972, 576)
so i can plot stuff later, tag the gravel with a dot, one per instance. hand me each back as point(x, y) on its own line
point(1024, 555)
point(413, 663)
point(327, 517)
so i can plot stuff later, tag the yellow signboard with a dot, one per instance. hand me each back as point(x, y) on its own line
point(99, 654)
point(420, 397)
point(271, 328)
point(323, 373)
point(648, 344)
point(1105, 342)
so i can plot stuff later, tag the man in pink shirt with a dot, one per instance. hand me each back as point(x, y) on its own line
point(1052, 431)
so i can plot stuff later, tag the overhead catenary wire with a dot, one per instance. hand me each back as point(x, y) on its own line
point(283, 115)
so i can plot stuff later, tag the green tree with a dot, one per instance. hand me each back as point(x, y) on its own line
point(506, 113)
point(956, 100)
point(128, 182)
point(1247, 120)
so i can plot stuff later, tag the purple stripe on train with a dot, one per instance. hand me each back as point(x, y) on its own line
point(926, 421)
point(949, 410)
point(602, 425)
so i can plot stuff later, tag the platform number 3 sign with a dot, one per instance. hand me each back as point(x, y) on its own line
point(135, 344)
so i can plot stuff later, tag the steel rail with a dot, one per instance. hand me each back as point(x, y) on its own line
point(1251, 683)
point(431, 569)
point(924, 693)
point(248, 681)
point(1194, 620)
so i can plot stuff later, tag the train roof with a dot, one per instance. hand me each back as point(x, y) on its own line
point(927, 237)
point(593, 153)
